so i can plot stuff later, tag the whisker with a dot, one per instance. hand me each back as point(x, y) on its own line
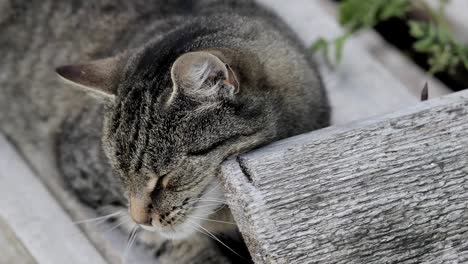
point(212, 189)
point(208, 233)
point(211, 199)
point(207, 205)
point(117, 225)
point(98, 219)
point(206, 200)
point(212, 220)
point(131, 239)
point(217, 210)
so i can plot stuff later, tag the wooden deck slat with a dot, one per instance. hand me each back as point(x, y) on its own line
point(413, 77)
point(11, 248)
point(391, 189)
point(36, 218)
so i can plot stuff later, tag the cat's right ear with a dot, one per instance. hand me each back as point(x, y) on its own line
point(99, 77)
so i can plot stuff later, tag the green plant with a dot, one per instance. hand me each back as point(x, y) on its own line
point(433, 36)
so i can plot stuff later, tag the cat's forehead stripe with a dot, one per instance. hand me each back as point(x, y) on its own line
point(132, 125)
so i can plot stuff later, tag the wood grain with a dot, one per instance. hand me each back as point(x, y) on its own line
point(11, 248)
point(391, 189)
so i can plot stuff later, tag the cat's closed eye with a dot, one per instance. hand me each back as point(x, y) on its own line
point(161, 184)
point(206, 150)
point(157, 190)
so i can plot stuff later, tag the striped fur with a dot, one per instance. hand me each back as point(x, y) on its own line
point(58, 129)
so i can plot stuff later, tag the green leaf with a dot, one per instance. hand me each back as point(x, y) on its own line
point(318, 45)
point(416, 29)
point(322, 45)
point(432, 38)
point(432, 32)
point(427, 40)
point(440, 61)
point(358, 14)
point(339, 46)
point(444, 35)
point(462, 52)
point(423, 45)
point(394, 8)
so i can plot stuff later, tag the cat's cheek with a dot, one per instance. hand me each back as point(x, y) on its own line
point(150, 228)
point(179, 232)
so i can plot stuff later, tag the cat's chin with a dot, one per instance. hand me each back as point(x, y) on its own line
point(194, 221)
point(181, 231)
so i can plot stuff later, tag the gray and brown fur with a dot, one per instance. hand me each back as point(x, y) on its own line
point(151, 129)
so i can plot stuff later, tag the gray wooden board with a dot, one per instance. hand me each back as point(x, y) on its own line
point(35, 217)
point(11, 248)
point(391, 189)
point(413, 77)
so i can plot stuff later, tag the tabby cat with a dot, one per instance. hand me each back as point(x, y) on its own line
point(171, 88)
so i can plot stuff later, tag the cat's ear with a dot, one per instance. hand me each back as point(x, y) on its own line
point(100, 77)
point(204, 75)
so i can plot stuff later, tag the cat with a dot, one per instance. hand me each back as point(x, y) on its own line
point(155, 96)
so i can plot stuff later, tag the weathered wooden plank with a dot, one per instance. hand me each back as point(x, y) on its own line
point(11, 249)
point(410, 74)
point(36, 218)
point(360, 86)
point(392, 189)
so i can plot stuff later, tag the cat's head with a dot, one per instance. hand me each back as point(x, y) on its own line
point(171, 120)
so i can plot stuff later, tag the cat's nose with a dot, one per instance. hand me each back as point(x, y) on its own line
point(140, 210)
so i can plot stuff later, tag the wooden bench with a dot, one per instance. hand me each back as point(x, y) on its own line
point(390, 189)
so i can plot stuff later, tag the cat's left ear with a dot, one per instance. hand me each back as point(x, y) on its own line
point(99, 77)
point(204, 75)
